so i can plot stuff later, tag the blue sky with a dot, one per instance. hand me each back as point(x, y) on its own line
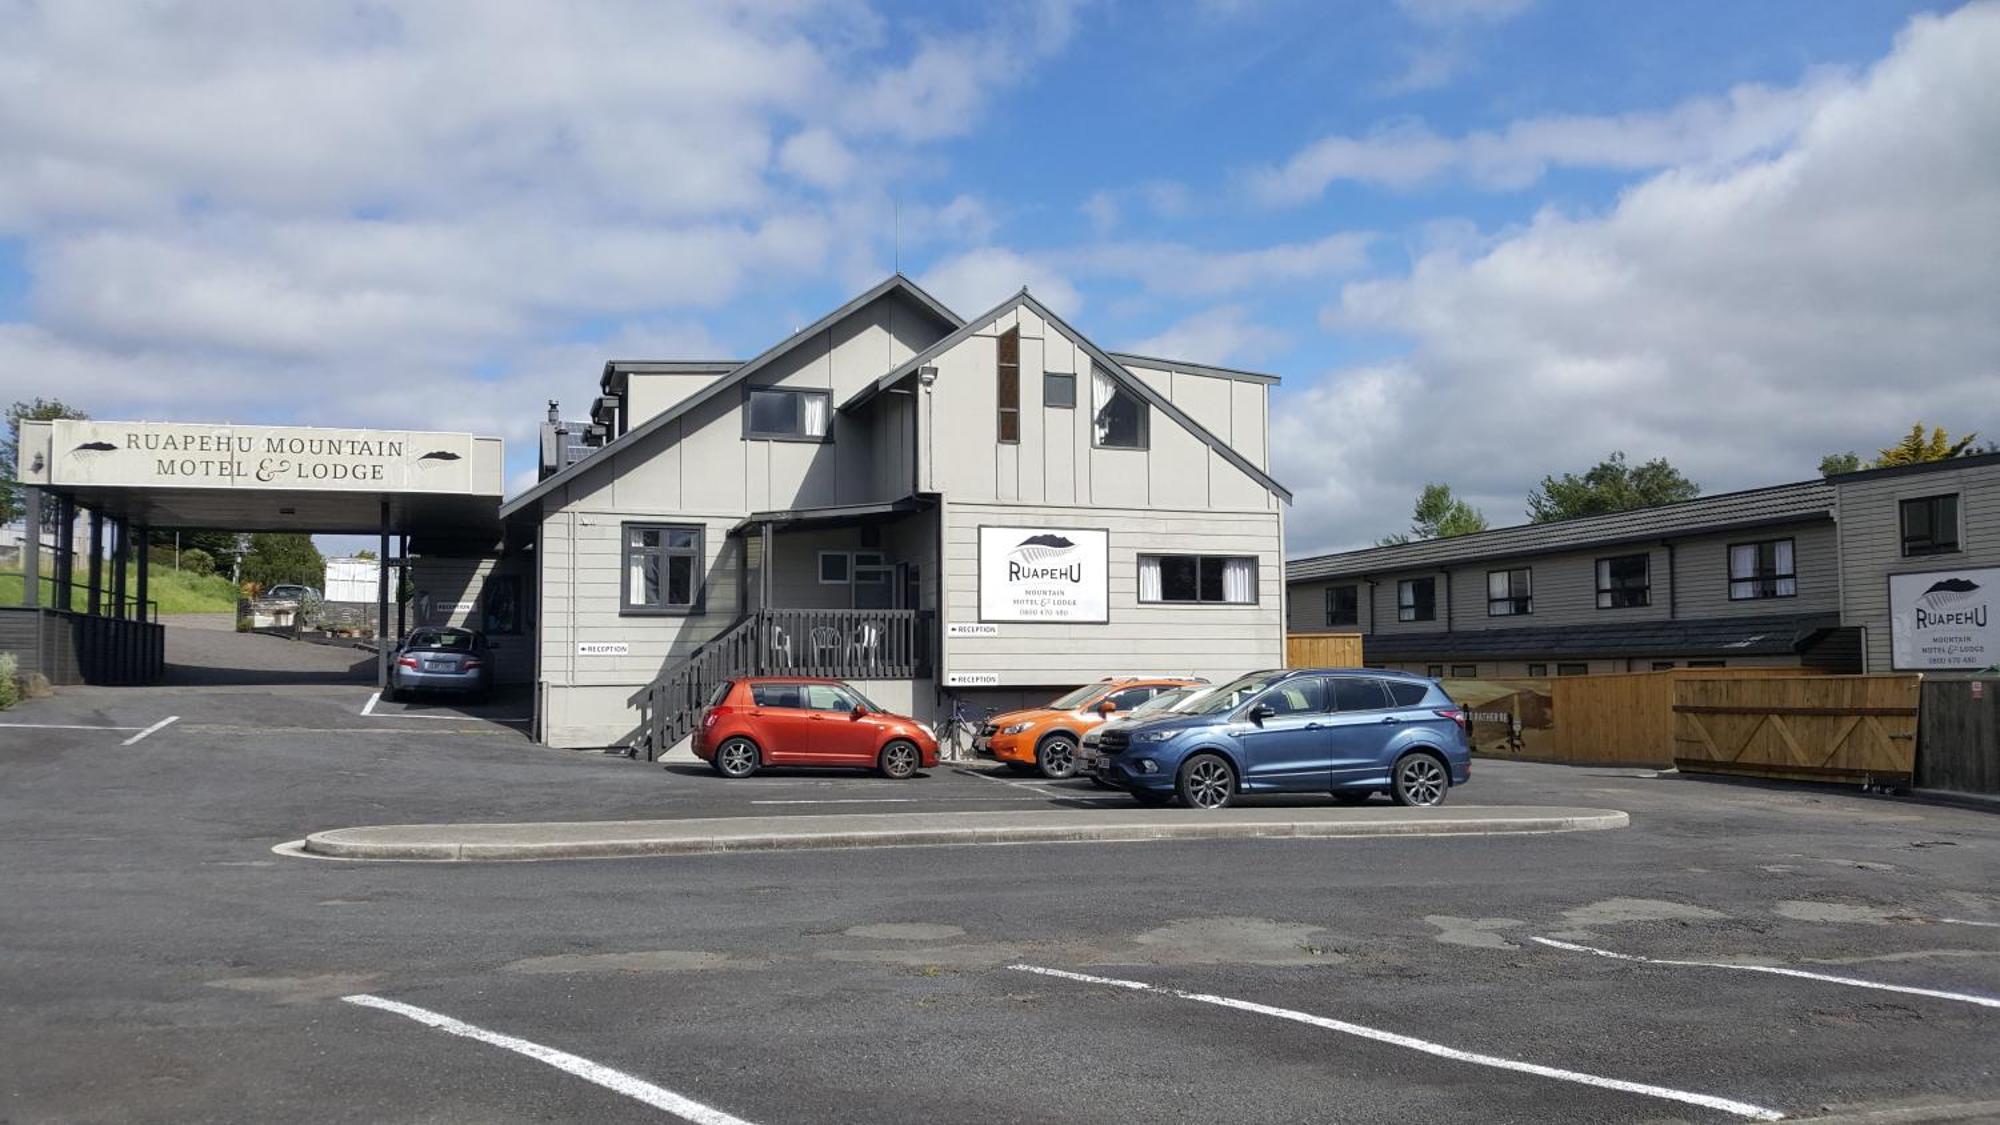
point(1481, 240)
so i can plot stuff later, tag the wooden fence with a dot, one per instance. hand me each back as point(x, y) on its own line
point(1626, 718)
point(1323, 650)
point(1807, 728)
point(1960, 748)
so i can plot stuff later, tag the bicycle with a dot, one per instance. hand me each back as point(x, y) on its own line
point(960, 720)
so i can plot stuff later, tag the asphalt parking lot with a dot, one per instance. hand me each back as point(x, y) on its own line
point(159, 963)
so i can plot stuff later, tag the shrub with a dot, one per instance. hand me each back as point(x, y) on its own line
point(10, 684)
point(194, 560)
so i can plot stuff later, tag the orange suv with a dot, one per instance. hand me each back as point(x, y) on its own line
point(1045, 738)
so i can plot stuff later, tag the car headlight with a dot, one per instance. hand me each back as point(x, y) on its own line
point(1017, 728)
point(1153, 735)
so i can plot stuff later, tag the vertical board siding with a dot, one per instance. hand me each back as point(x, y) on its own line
point(1323, 650)
point(1871, 541)
point(1958, 737)
point(1214, 641)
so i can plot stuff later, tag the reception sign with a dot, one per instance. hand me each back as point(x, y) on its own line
point(1944, 619)
point(1044, 574)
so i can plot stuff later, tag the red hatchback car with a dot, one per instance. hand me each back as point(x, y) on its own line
point(759, 721)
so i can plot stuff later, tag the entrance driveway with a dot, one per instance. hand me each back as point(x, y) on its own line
point(162, 964)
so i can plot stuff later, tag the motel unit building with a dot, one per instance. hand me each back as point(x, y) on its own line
point(931, 507)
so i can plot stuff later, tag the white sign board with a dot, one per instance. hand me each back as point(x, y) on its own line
point(1944, 619)
point(972, 679)
point(1044, 574)
point(197, 455)
point(971, 629)
point(603, 648)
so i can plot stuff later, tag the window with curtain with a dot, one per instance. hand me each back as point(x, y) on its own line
point(1119, 416)
point(1509, 593)
point(662, 569)
point(1624, 582)
point(1008, 381)
point(1343, 605)
point(1220, 579)
point(785, 414)
point(1762, 570)
point(1416, 599)
point(1930, 525)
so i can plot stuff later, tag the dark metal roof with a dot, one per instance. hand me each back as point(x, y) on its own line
point(1785, 503)
point(1779, 635)
point(836, 515)
point(1160, 364)
point(1137, 385)
point(1976, 461)
point(895, 283)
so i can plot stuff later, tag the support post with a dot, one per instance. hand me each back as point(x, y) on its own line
point(121, 555)
point(65, 561)
point(402, 570)
point(384, 644)
point(94, 597)
point(31, 548)
point(145, 568)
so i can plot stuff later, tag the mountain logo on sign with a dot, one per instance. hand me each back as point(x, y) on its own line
point(1044, 557)
point(1944, 604)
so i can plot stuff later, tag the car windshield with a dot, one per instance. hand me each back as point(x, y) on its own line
point(1165, 701)
point(431, 639)
point(865, 701)
point(1229, 696)
point(1075, 698)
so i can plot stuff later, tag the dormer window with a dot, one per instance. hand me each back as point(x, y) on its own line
point(785, 414)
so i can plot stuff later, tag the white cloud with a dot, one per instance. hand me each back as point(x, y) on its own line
point(978, 279)
point(1741, 322)
point(350, 211)
point(1221, 335)
point(1752, 120)
point(1436, 58)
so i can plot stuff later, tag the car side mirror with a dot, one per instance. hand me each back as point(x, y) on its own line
point(1107, 707)
point(1261, 712)
point(859, 712)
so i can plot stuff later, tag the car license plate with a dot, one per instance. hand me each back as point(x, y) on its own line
point(436, 666)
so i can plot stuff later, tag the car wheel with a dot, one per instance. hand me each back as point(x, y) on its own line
point(1352, 796)
point(899, 760)
point(1205, 782)
point(1151, 799)
point(736, 757)
point(1056, 756)
point(1420, 780)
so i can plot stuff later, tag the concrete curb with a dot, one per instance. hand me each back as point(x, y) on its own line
point(468, 843)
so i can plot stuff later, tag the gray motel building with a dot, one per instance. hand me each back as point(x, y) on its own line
point(992, 509)
point(1874, 571)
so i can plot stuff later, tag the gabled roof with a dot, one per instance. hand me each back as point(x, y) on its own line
point(895, 283)
point(1159, 364)
point(1104, 359)
point(1774, 635)
point(1758, 507)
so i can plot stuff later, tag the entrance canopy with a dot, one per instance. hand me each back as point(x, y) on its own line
point(270, 478)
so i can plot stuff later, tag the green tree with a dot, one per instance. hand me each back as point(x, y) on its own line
point(1917, 447)
point(38, 410)
point(225, 549)
point(275, 558)
point(1439, 515)
point(1834, 464)
point(1612, 486)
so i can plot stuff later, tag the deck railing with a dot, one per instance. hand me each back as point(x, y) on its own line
point(853, 644)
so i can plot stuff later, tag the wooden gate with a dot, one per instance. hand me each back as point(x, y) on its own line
point(1808, 728)
point(1960, 746)
point(1323, 650)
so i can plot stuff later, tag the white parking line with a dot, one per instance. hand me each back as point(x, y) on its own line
point(1962, 997)
point(63, 726)
point(1707, 1101)
point(638, 1089)
point(369, 708)
point(1969, 922)
point(154, 729)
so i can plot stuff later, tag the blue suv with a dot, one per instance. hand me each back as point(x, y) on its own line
point(1345, 731)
